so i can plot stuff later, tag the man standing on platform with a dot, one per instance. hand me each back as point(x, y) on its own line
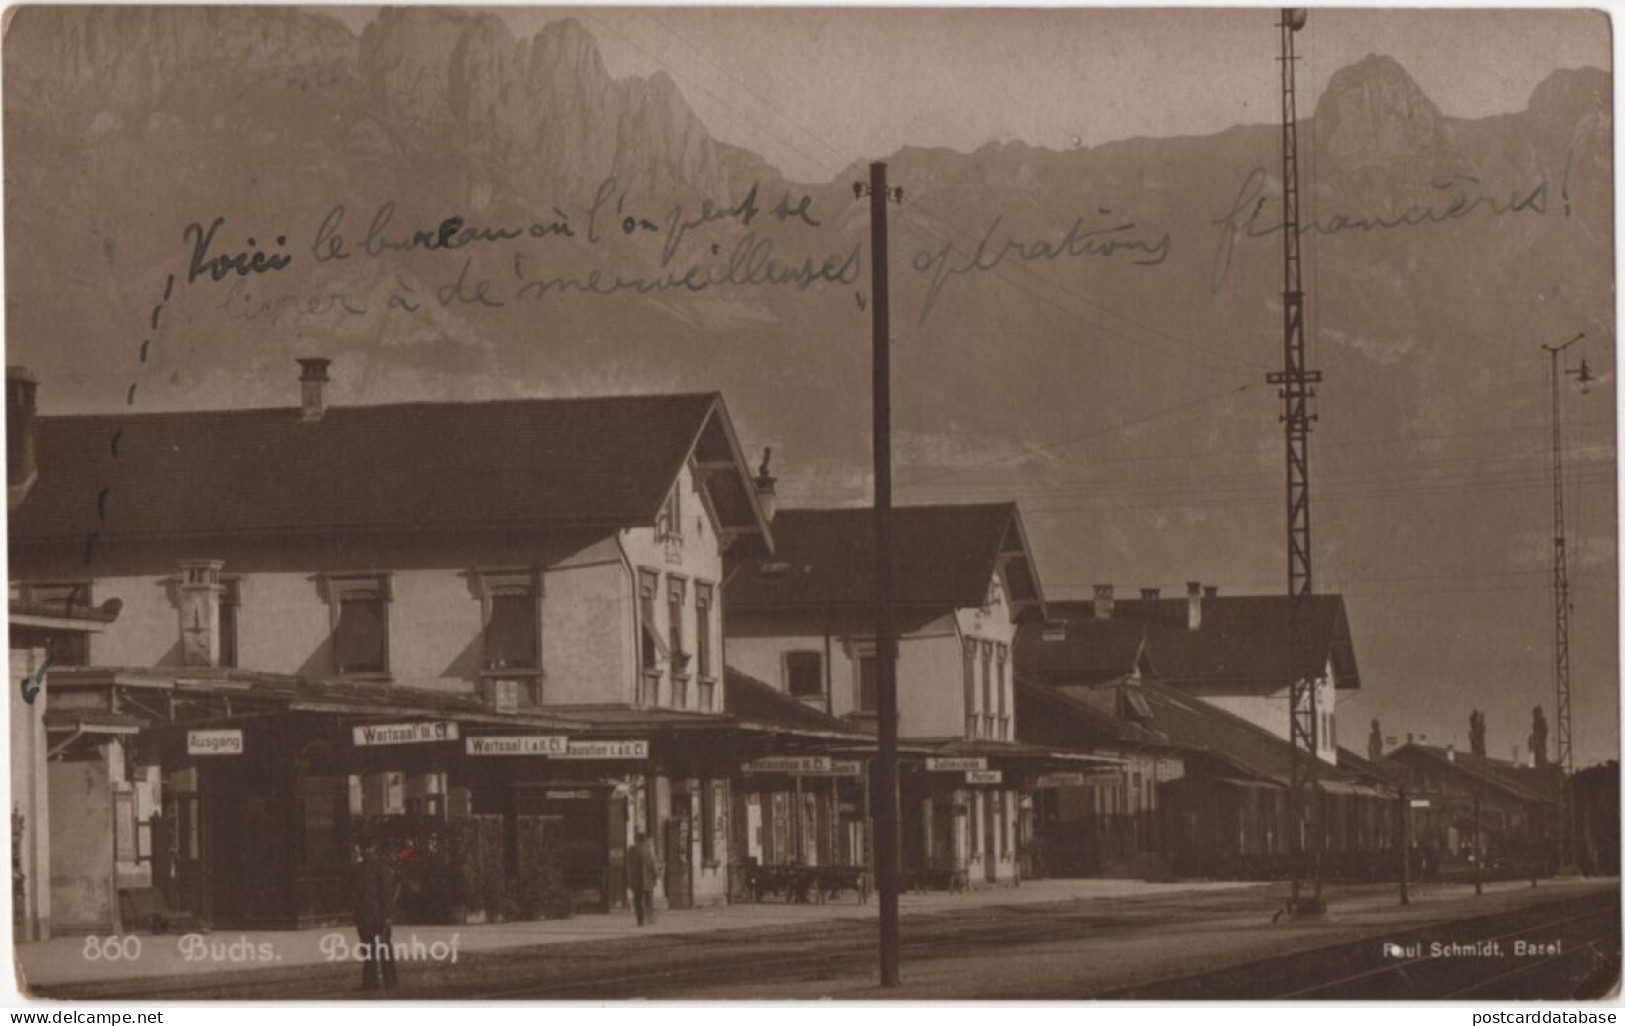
point(375, 887)
point(642, 873)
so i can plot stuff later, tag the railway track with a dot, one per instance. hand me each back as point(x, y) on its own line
point(841, 953)
point(1589, 960)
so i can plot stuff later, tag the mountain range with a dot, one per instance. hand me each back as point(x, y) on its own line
point(1084, 330)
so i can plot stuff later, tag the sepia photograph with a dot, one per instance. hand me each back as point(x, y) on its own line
point(746, 504)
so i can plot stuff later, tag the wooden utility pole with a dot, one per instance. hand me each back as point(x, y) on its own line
point(1404, 846)
point(886, 798)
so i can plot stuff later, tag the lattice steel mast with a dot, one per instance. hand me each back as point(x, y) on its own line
point(1296, 391)
point(1560, 594)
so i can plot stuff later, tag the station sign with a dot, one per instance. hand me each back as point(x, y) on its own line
point(956, 765)
point(1071, 778)
point(984, 777)
point(806, 766)
point(605, 750)
point(214, 742)
point(404, 733)
point(532, 745)
point(789, 764)
point(1421, 803)
point(1061, 779)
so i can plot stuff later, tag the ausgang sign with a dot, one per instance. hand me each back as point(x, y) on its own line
point(605, 750)
point(516, 745)
point(958, 765)
point(214, 742)
point(404, 733)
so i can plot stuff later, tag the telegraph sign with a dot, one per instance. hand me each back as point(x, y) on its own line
point(404, 733)
point(984, 777)
point(214, 742)
point(534, 745)
point(956, 765)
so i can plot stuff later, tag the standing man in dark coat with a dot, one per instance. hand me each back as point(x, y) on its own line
point(375, 889)
point(642, 873)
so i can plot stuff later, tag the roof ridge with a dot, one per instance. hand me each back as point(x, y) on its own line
point(1001, 504)
point(403, 404)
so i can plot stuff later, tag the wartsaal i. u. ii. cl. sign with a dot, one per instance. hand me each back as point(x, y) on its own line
point(404, 733)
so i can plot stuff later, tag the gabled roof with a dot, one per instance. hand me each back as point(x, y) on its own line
point(1079, 652)
point(943, 557)
point(1077, 717)
point(1243, 643)
point(1180, 720)
point(1524, 783)
point(759, 703)
point(599, 462)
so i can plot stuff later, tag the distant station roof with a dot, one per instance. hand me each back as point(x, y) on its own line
point(1242, 642)
point(943, 557)
point(1525, 783)
point(515, 464)
point(1161, 715)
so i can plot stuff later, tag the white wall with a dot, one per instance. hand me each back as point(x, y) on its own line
point(696, 557)
point(589, 610)
point(1270, 712)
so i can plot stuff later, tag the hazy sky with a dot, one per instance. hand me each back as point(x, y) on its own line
point(768, 79)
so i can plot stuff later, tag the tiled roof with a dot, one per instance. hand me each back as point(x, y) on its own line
point(761, 704)
point(943, 556)
point(510, 464)
point(1243, 642)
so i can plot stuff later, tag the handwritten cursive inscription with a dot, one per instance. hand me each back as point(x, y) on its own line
point(219, 267)
point(1077, 241)
point(1460, 197)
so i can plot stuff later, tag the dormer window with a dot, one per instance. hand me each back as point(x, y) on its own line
point(359, 608)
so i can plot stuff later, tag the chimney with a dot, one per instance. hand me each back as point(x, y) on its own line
point(1450, 752)
point(200, 612)
point(766, 494)
point(1410, 738)
point(1516, 756)
point(22, 432)
point(1150, 594)
point(312, 376)
point(1193, 598)
point(1211, 591)
point(1103, 602)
